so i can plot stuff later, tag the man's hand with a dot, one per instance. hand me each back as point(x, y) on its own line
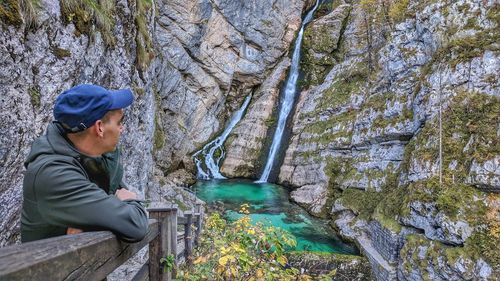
point(71, 230)
point(124, 194)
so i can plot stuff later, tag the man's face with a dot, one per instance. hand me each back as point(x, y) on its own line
point(113, 127)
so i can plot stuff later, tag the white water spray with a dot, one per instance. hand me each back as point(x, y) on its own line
point(209, 168)
point(288, 98)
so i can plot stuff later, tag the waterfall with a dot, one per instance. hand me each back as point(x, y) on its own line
point(209, 158)
point(288, 98)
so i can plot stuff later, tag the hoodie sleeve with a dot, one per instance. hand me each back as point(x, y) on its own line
point(67, 198)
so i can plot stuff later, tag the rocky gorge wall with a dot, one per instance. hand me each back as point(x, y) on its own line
point(395, 137)
point(365, 145)
point(190, 64)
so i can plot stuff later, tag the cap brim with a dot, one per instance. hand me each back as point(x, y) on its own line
point(121, 98)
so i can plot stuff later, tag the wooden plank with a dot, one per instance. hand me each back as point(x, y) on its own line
point(161, 207)
point(183, 220)
point(160, 248)
point(172, 239)
point(199, 223)
point(154, 252)
point(187, 238)
point(142, 274)
point(84, 256)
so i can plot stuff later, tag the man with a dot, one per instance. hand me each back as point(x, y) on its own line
point(73, 175)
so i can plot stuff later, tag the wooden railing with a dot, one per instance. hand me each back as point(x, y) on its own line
point(94, 255)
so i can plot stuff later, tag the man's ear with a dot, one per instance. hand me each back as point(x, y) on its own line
point(99, 128)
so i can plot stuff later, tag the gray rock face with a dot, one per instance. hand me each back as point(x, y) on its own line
point(422, 259)
point(372, 124)
point(436, 225)
point(322, 42)
point(485, 176)
point(348, 267)
point(313, 196)
point(245, 142)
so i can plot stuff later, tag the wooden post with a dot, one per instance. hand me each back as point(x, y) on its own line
point(161, 247)
point(199, 216)
point(187, 236)
point(171, 237)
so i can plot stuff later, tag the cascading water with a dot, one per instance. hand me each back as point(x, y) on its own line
point(208, 152)
point(288, 98)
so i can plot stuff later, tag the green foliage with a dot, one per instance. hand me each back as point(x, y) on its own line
point(320, 50)
point(17, 12)
point(397, 11)
point(85, 13)
point(389, 208)
point(144, 44)
point(464, 49)
point(35, 96)
point(241, 251)
point(168, 263)
point(10, 12)
point(362, 202)
point(481, 245)
point(61, 53)
point(461, 202)
point(467, 135)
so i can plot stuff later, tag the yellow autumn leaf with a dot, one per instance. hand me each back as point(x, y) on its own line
point(259, 273)
point(234, 270)
point(200, 260)
point(225, 259)
point(282, 260)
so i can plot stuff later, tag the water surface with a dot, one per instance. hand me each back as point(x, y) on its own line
point(269, 204)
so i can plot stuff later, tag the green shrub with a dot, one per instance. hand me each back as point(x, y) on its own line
point(241, 251)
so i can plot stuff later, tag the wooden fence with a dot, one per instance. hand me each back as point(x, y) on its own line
point(93, 255)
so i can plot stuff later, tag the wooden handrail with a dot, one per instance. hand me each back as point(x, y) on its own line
point(84, 256)
point(93, 255)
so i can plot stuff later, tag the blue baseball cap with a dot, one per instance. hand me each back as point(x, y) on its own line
point(78, 108)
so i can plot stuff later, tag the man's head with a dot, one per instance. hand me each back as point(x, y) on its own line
point(92, 116)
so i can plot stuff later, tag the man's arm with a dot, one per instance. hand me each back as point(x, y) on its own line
point(67, 198)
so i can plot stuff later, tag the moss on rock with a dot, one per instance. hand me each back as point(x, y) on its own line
point(10, 12)
point(467, 135)
point(84, 14)
point(361, 202)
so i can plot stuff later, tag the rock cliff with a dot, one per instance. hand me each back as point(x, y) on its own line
point(396, 137)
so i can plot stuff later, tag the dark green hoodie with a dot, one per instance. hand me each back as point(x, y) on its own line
point(63, 188)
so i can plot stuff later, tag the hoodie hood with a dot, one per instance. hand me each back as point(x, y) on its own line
point(53, 142)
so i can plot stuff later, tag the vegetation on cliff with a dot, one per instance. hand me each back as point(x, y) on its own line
point(241, 251)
